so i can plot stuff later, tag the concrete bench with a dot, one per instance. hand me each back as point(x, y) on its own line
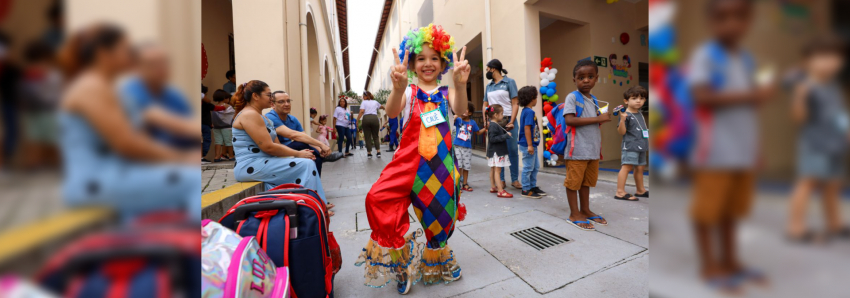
point(26, 247)
point(215, 204)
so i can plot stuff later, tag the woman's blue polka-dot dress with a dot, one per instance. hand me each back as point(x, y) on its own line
point(252, 164)
point(95, 174)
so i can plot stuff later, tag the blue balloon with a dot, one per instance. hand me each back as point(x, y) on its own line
point(550, 92)
point(546, 154)
point(556, 89)
point(543, 90)
point(552, 85)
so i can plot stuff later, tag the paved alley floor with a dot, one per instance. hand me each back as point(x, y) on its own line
point(610, 262)
point(792, 269)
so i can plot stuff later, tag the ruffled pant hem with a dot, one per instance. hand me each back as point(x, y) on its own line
point(410, 263)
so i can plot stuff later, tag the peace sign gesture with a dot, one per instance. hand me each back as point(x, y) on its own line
point(399, 71)
point(461, 68)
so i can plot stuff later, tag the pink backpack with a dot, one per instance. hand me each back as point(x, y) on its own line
point(234, 266)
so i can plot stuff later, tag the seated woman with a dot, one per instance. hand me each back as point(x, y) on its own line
point(259, 154)
point(108, 160)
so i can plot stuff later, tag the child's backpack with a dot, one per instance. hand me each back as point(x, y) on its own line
point(148, 259)
point(291, 224)
point(234, 266)
point(558, 127)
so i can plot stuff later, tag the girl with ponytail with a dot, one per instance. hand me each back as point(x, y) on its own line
point(259, 154)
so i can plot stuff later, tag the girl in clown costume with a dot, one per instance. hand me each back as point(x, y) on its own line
point(425, 147)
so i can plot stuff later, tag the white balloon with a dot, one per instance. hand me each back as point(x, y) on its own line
point(546, 70)
point(544, 82)
point(551, 77)
point(554, 71)
point(553, 158)
point(543, 75)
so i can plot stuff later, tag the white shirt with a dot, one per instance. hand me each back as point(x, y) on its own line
point(405, 114)
point(369, 107)
point(342, 116)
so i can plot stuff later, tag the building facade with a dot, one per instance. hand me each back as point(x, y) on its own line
point(520, 33)
point(298, 46)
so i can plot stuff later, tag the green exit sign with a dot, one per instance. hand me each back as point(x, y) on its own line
point(600, 61)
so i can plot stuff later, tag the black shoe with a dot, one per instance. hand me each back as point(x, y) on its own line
point(204, 160)
point(379, 154)
point(538, 191)
point(643, 195)
point(334, 156)
point(369, 155)
point(530, 194)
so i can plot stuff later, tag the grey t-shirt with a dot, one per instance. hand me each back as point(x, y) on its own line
point(732, 139)
point(827, 121)
point(633, 140)
point(588, 140)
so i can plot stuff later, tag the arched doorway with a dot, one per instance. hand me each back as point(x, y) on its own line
point(315, 78)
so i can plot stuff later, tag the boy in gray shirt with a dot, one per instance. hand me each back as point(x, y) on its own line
point(632, 127)
point(725, 95)
point(584, 145)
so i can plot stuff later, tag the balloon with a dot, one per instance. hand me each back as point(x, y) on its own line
point(544, 82)
point(549, 143)
point(553, 70)
point(547, 109)
point(550, 92)
point(546, 70)
point(551, 76)
point(553, 98)
point(541, 69)
point(552, 85)
point(543, 75)
point(553, 158)
point(545, 130)
point(545, 97)
point(546, 154)
point(543, 89)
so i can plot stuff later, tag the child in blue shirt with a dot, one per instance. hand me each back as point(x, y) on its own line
point(529, 139)
point(464, 127)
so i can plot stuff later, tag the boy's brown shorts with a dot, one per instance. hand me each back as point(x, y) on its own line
point(721, 194)
point(581, 173)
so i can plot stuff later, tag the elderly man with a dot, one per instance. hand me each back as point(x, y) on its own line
point(152, 103)
point(291, 134)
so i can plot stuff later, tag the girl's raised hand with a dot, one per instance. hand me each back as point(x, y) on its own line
point(399, 71)
point(461, 68)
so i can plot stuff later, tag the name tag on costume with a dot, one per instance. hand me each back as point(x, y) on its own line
point(432, 118)
point(645, 134)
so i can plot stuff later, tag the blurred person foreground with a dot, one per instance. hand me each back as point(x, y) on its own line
point(99, 162)
point(724, 122)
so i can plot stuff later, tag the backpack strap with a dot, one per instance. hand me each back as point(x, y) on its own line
point(720, 59)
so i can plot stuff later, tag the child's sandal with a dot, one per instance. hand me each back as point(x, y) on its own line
point(493, 190)
point(504, 194)
point(466, 187)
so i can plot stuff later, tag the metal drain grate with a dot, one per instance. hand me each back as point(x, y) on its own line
point(539, 238)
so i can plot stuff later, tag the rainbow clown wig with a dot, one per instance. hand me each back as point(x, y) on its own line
point(437, 39)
